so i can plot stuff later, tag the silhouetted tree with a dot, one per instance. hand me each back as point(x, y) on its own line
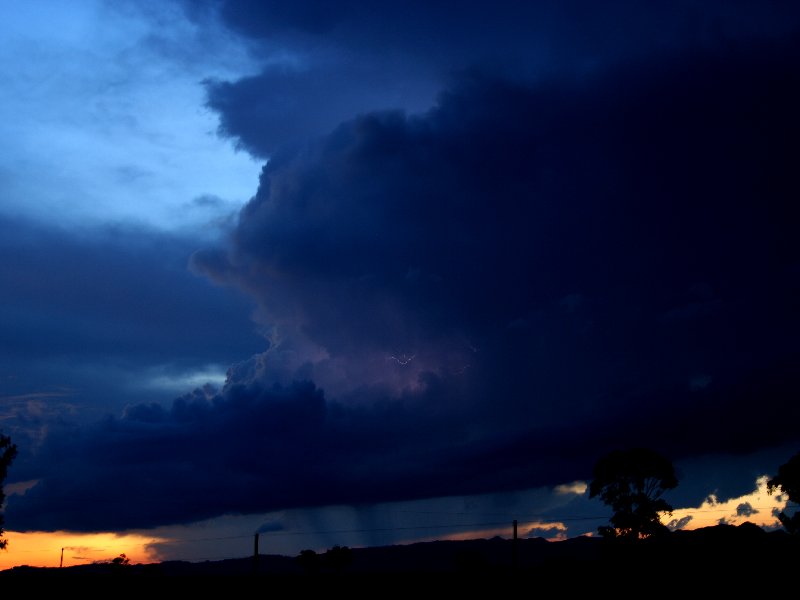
point(632, 482)
point(8, 452)
point(788, 482)
point(121, 561)
point(309, 561)
point(338, 558)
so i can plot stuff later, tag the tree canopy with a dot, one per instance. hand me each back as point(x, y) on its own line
point(788, 482)
point(632, 483)
point(8, 452)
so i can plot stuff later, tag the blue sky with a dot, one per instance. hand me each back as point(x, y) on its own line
point(392, 261)
point(104, 119)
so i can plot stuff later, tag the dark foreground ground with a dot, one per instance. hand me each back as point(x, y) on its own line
point(709, 561)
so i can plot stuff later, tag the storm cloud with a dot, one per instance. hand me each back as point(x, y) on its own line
point(248, 448)
point(99, 316)
point(486, 248)
point(485, 296)
point(593, 218)
point(562, 248)
point(324, 63)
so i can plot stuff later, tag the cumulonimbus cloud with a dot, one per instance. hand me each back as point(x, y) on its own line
point(563, 261)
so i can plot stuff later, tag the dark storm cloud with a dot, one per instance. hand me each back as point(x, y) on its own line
point(676, 524)
point(617, 252)
point(283, 106)
point(522, 36)
point(491, 294)
point(745, 509)
point(245, 449)
point(118, 291)
point(79, 309)
point(326, 62)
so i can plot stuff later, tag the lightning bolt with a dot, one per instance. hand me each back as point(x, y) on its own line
point(402, 359)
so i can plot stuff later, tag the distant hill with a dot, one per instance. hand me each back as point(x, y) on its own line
point(723, 557)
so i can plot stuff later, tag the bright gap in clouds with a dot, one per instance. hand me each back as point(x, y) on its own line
point(757, 507)
point(102, 115)
point(180, 381)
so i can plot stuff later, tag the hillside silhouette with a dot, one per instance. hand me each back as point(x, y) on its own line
point(722, 557)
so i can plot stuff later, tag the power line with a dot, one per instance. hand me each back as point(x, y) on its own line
point(549, 519)
point(380, 529)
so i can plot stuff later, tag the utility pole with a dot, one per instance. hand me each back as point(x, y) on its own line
point(61, 564)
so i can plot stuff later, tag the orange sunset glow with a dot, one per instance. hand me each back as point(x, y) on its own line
point(43, 549)
point(758, 507)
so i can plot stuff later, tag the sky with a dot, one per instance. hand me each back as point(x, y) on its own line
point(356, 274)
